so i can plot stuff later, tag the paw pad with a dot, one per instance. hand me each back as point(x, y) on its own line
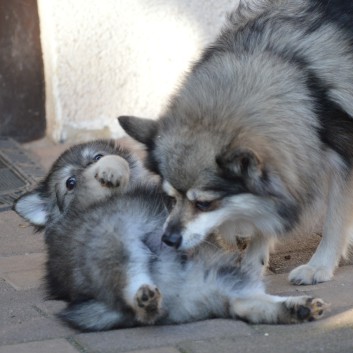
point(148, 304)
point(308, 309)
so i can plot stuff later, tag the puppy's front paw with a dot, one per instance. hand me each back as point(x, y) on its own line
point(148, 301)
point(304, 308)
point(113, 172)
point(306, 274)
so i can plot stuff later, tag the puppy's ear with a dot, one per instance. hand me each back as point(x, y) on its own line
point(33, 207)
point(240, 163)
point(142, 130)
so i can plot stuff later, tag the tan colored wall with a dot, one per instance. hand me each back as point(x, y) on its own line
point(111, 57)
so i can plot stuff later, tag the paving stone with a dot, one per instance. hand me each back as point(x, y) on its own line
point(22, 321)
point(12, 299)
point(281, 339)
point(21, 262)
point(17, 307)
point(16, 315)
point(45, 151)
point(154, 337)
point(54, 346)
point(51, 307)
point(17, 236)
point(214, 346)
point(5, 288)
point(22, 280)
point(33, 329)
point(157, 350)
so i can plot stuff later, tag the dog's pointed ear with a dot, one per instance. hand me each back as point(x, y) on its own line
point(33, 207)
point(142, 130)
point(240, 162)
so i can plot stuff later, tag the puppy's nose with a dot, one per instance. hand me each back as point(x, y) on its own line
point(173, 240)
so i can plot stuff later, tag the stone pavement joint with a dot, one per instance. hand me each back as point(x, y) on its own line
point(22, 280)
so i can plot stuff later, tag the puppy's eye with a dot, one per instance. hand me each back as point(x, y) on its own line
point(97, 157)
point(203, 206)
point(71, 183)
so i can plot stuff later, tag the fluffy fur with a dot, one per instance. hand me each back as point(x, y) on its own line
point(106, 258)
point(257, 140)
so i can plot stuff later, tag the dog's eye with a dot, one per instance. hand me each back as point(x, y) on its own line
point(71, 183)
point(98, 157)
point(203, 206)
point(170, 202)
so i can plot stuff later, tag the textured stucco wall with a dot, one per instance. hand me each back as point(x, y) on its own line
point(111, 57)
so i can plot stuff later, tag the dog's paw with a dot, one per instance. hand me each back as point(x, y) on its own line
point(305, 308)
point(306, 274)
point(112, 171)
point(148, 302)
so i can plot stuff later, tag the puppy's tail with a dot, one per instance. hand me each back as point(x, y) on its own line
point(92, 315)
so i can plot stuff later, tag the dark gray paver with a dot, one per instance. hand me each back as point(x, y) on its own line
point(33, 329)
point(50, 346)
point(283, 341)
point(153, 337)
point(21, 321)
point(159, 350)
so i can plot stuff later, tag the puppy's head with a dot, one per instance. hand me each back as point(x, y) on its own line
point(73, 174)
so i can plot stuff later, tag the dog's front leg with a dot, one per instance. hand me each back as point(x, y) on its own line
point(335, 237)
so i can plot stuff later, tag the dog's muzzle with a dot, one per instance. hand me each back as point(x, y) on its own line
point(173, 239)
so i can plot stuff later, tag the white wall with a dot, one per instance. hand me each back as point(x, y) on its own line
point(105, 58)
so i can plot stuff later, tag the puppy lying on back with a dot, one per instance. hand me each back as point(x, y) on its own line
point(103, 221)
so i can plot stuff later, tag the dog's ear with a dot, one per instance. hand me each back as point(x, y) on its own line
point(240, 163)
point(142, 130)
point(33, 207)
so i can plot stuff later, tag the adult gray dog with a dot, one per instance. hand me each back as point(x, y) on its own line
point(258, 139)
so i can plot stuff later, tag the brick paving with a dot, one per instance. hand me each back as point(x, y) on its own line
point(28, 323)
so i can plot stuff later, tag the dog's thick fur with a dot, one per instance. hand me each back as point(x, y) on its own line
point(258, 139)
point(103, 220)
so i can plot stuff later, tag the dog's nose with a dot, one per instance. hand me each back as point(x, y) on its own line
point(174, 239)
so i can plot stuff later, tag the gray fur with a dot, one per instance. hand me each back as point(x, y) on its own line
point(261, 128)
point(106, 259)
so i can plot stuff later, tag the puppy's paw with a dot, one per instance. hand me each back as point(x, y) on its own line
point(112, 171)
point(304, 308)
point(306, 274)
point(148, 302)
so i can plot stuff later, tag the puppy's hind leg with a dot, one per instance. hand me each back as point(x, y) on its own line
point(148, 301)
point(140, 293)
point(269, 309)
point(335, 237)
